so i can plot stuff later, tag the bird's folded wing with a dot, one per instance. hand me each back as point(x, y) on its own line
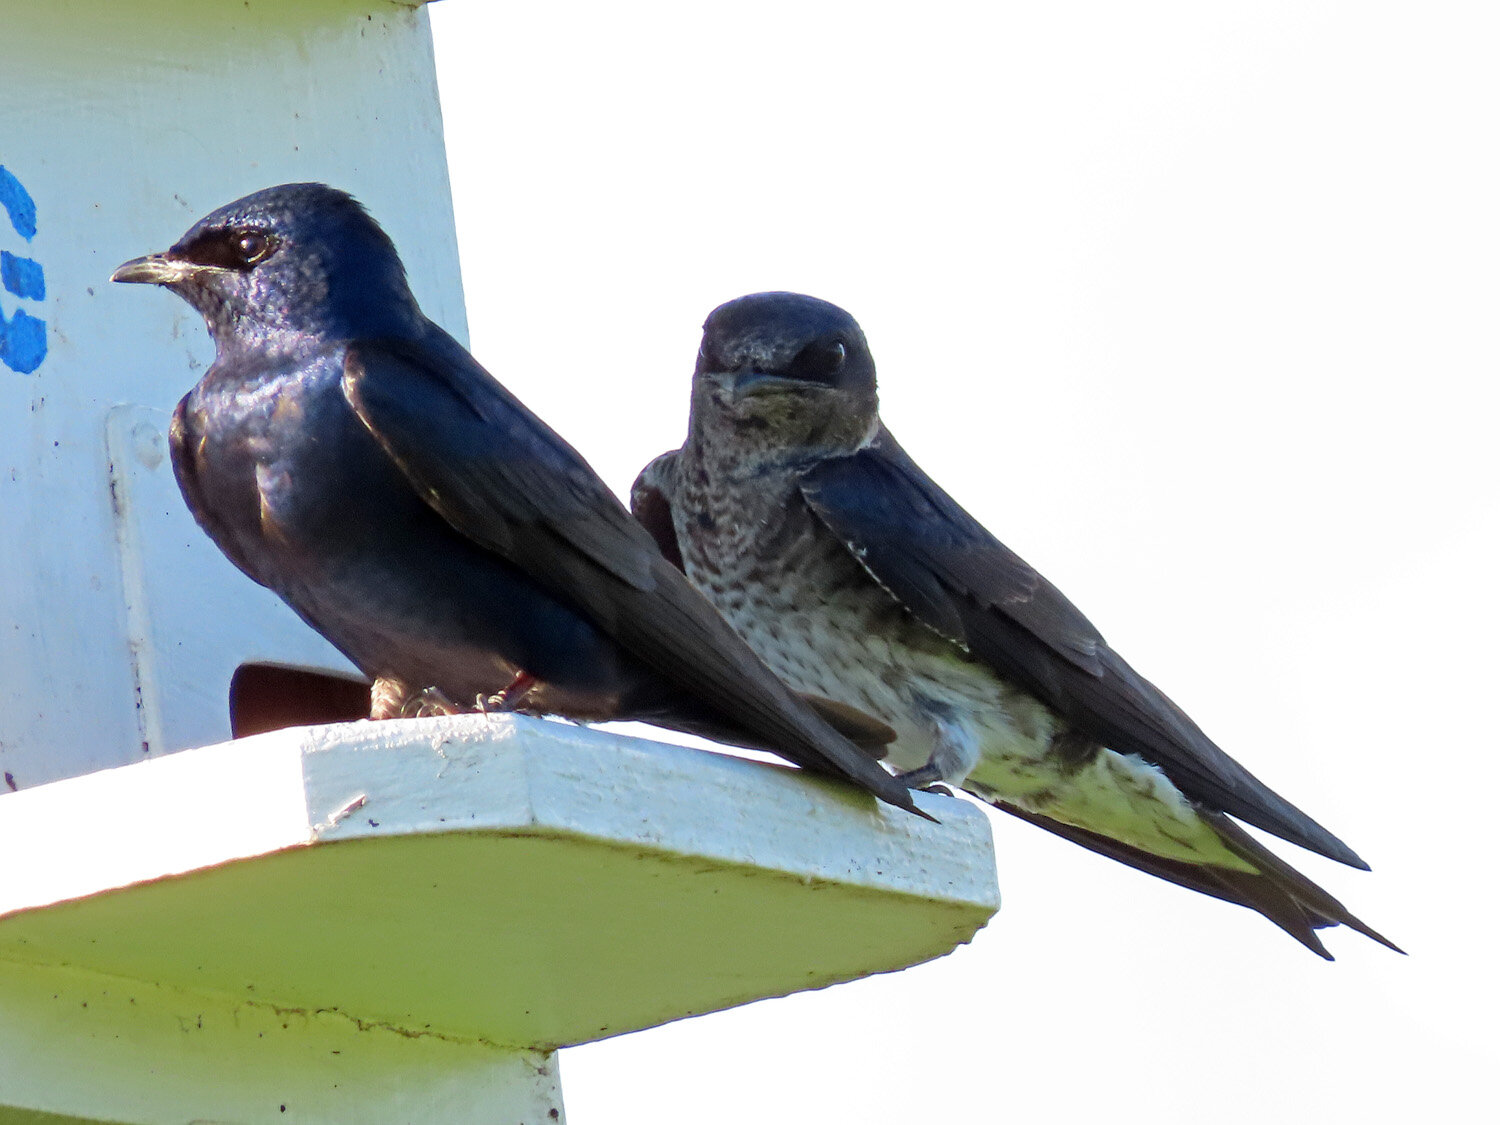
point(942, 564)
point(652, 509)
point(486, 463)
point(499, 476)
point(917, 542)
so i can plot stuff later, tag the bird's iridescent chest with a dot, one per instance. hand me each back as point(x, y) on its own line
point(249, 448)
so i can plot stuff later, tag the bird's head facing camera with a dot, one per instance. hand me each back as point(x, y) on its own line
point(793, 367)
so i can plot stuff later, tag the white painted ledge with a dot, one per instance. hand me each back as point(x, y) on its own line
point(481, 886)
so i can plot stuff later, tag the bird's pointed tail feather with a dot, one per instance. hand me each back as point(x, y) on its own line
point(1276, 890)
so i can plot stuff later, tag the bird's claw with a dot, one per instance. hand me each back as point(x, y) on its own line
point(510, 697)
point(428, 702)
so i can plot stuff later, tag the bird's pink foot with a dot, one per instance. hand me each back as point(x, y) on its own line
point(511, 696)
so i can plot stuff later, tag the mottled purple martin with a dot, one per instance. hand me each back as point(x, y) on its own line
point(854, 576)
point(347, 453)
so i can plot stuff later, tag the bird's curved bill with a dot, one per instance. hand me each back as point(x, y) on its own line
point(153, 269)
point(752, 383)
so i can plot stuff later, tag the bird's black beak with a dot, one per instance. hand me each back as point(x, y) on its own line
point(752, 383)
point(153, 269)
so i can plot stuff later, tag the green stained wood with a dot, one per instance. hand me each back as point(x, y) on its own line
point(505, 881)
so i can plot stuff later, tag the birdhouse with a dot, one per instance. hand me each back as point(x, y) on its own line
point(363, 922)
point(125, 123)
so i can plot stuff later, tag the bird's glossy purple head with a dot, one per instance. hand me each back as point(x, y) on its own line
point(300, 259)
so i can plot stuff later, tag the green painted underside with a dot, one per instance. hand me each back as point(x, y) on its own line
point(12, 1116)
point(521, 940)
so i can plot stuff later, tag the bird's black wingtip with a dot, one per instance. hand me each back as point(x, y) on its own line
point(1322, 952)
point(924, 815)
point(1374, 935)
point(898, 797)
point(1342, 853)
point(901, 797)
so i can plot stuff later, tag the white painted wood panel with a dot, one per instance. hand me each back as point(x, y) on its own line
point(383, 922)
point(120, 125)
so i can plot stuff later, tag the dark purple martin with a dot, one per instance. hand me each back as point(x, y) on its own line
point(349, 454)
point(854, 576)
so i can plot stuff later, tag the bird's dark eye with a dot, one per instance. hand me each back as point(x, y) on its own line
point(240, 250)
point(820, 361)
point(252, 247)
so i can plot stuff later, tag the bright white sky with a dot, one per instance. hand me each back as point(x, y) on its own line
point(1195, 306)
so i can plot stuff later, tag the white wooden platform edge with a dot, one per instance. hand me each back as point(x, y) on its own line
point(400, 921)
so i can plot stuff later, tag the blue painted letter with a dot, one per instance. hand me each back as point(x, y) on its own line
point(23, 342)
point(23, 338)
point(22, 276)
point(18, 204)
